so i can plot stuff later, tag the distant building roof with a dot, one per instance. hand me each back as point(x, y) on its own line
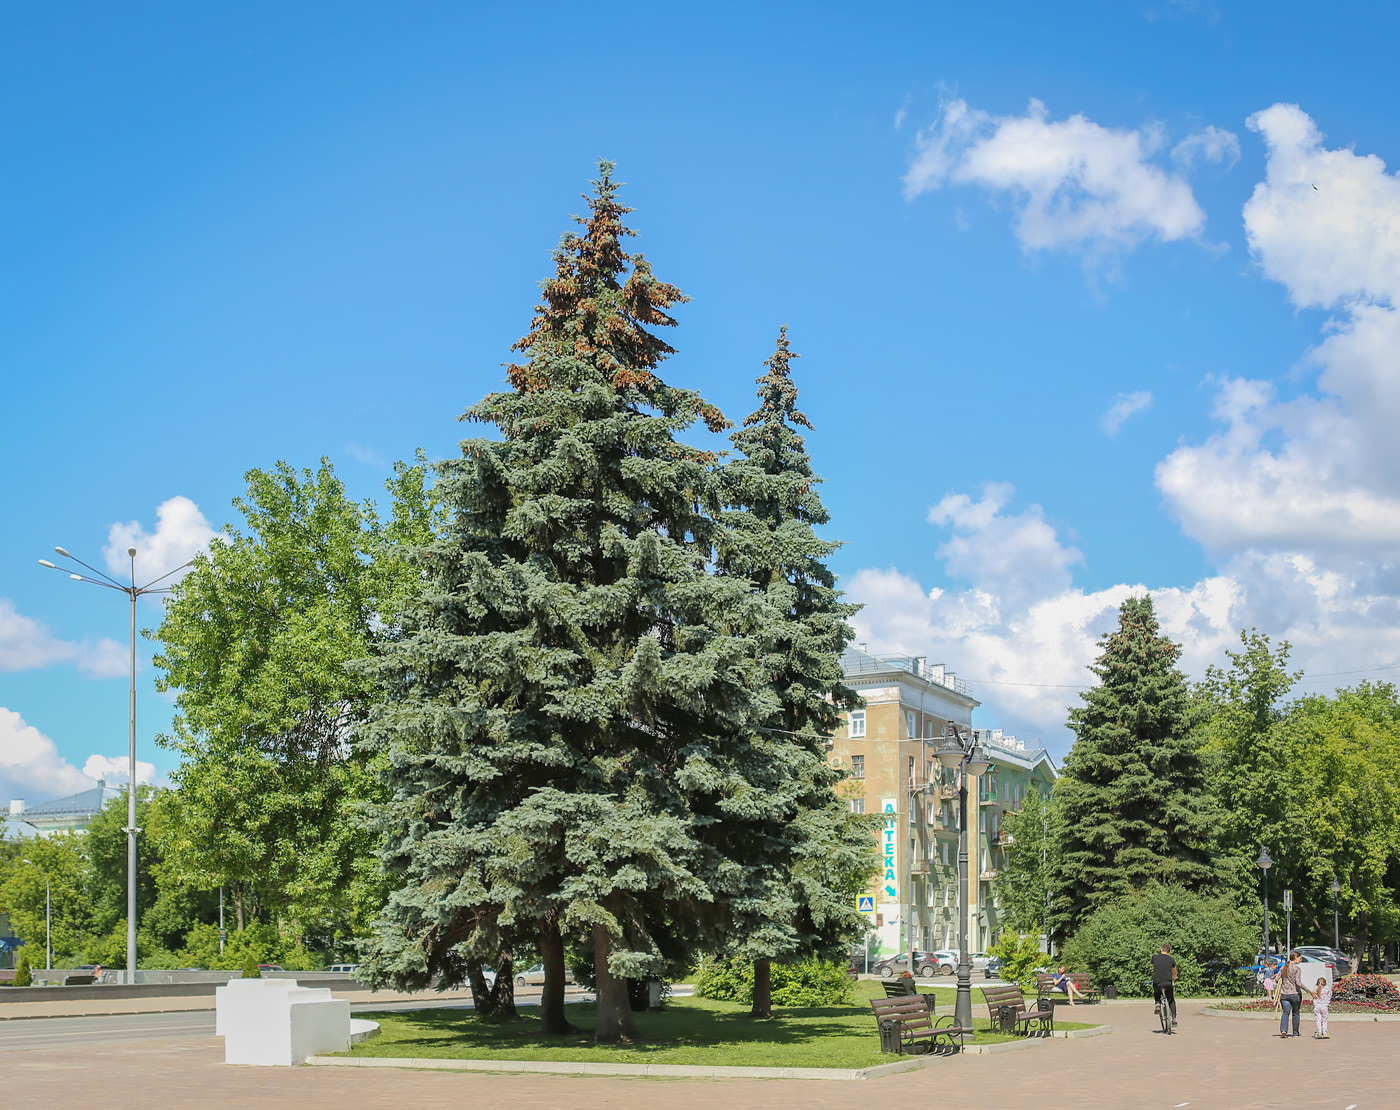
point(74, 811)
point(857, 663)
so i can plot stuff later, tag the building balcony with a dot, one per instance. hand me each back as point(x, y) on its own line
point(1002, 839)
point(988, 874)
point(921, 867)
point(947, 793)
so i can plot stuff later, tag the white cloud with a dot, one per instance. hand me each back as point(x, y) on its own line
point(1210, 144)
point(1320, 472)
point(1124, 406)
point(366, 455)
point(27, 644)
point(181, 533)
point(1077, 184)
point(30, 766)
point(116, 769)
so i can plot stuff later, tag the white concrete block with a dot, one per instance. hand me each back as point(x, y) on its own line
point(275, 1022)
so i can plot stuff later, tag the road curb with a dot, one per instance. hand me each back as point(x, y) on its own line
point(1211, 1011)
point(563, 1067)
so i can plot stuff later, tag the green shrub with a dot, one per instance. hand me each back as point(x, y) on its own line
point(805, 983)
point(1209, 939)
point(1020, 956)
point(22, 976)
point(250, 967)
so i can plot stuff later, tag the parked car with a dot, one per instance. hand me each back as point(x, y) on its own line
point(1341, 963)
point(1313, 968)
point(925, 964)
point(993, 968)
point(348, 969)
point(534, 976)
point(271, 967)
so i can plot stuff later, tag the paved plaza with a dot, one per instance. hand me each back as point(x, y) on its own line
point(1213, 1062)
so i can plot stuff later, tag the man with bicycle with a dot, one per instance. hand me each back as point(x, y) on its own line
point(1164, 981)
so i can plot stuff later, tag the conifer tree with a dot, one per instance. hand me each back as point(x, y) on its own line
point(814, 856)
point(1132, 801)
point(566, 738)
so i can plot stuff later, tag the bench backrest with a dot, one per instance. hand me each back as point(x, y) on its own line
point(1003, 996)
point(1079, 978)
point(912, 1009)
point(899, 988)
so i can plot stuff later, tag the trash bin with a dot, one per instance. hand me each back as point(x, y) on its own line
point(1111, 991)
point(889, 1036)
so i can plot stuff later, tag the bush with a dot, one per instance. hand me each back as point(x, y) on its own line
point(805, 983)
point(22, 976)
point(1020, 956)
point(250, 967)
point(1209, 940)
point(1366, 988)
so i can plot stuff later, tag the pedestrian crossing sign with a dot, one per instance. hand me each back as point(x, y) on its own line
point(865, 903)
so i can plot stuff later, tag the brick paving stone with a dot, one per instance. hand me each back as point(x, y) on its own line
point(1212, 1063)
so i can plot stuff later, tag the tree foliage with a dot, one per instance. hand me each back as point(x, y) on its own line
point(255, 641)
point(568, 732)
point(1132, 798)
point(1030, 863)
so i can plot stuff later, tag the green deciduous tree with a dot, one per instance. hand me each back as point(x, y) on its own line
point(1132, 797)
point(1031, 862)
point(566, 731)
point(256, 637)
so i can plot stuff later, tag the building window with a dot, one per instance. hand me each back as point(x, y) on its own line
point(928, 728)
point(855, 726)
point(911, 724)
point(857, 766)
point(945, 863)
point(857, 805)
point(911, 769)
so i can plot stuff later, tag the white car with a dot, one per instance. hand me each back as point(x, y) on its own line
point(948, 961)
point(534, 976)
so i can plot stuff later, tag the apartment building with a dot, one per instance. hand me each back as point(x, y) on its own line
point(890, 749)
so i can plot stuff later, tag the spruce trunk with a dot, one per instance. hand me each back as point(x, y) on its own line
point(614, 1007)
point(552, 1019)
point(497, 999)
point(762, 989)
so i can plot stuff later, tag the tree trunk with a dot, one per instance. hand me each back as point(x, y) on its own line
point(238, 905)
point(552, 1019)
point(762, 989)
point(614, 1008)
point(498, 998)
point(1362, 937)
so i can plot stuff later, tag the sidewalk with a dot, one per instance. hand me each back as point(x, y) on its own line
point(99, 1007)
point(1213, 1064)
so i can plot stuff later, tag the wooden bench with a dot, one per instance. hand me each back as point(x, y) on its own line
point(908, 1022)
point(1048, 992)
point(900, 988)
point(1007, 1009)
point(82, 979)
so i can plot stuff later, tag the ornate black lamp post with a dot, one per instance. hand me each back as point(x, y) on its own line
point(959, 752)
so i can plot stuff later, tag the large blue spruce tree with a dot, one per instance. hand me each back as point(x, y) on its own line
point(567, 729)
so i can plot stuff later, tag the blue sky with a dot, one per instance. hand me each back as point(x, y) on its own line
point(1075, 321)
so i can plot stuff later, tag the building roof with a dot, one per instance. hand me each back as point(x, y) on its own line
point(85, 803)
point(861, 665)
point(1001, 748)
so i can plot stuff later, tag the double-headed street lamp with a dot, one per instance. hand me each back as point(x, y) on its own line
point(48, 917)
point(133, 592)
point(1264, 863)
point(959, 752)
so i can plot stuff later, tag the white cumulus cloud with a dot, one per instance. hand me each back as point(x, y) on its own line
point(1124, 406)
point(30, 766)
point(116, 769)
point(1210, 144)
point(181, 533)
point(27, 644)
point(1075, 183)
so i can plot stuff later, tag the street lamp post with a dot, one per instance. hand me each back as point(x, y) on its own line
point(1336, 888)
point(960, 752)
point(133, 592)
point(48, 918)
point(1264, 863)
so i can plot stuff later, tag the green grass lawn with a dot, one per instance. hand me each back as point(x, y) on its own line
point(688, 1031)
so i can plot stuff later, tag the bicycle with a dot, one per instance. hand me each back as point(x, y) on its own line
point(1166, 1008)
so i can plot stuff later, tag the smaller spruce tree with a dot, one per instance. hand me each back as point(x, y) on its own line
point(23, 977)
point(250, 967)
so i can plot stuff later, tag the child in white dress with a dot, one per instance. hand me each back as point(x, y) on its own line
point(1322, 1004)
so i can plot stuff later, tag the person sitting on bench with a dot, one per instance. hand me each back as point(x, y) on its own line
point(1061, 981)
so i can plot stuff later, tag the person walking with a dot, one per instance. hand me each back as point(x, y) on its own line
point(1322, 1008)
point(1164, 973)
point(1290, 993)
